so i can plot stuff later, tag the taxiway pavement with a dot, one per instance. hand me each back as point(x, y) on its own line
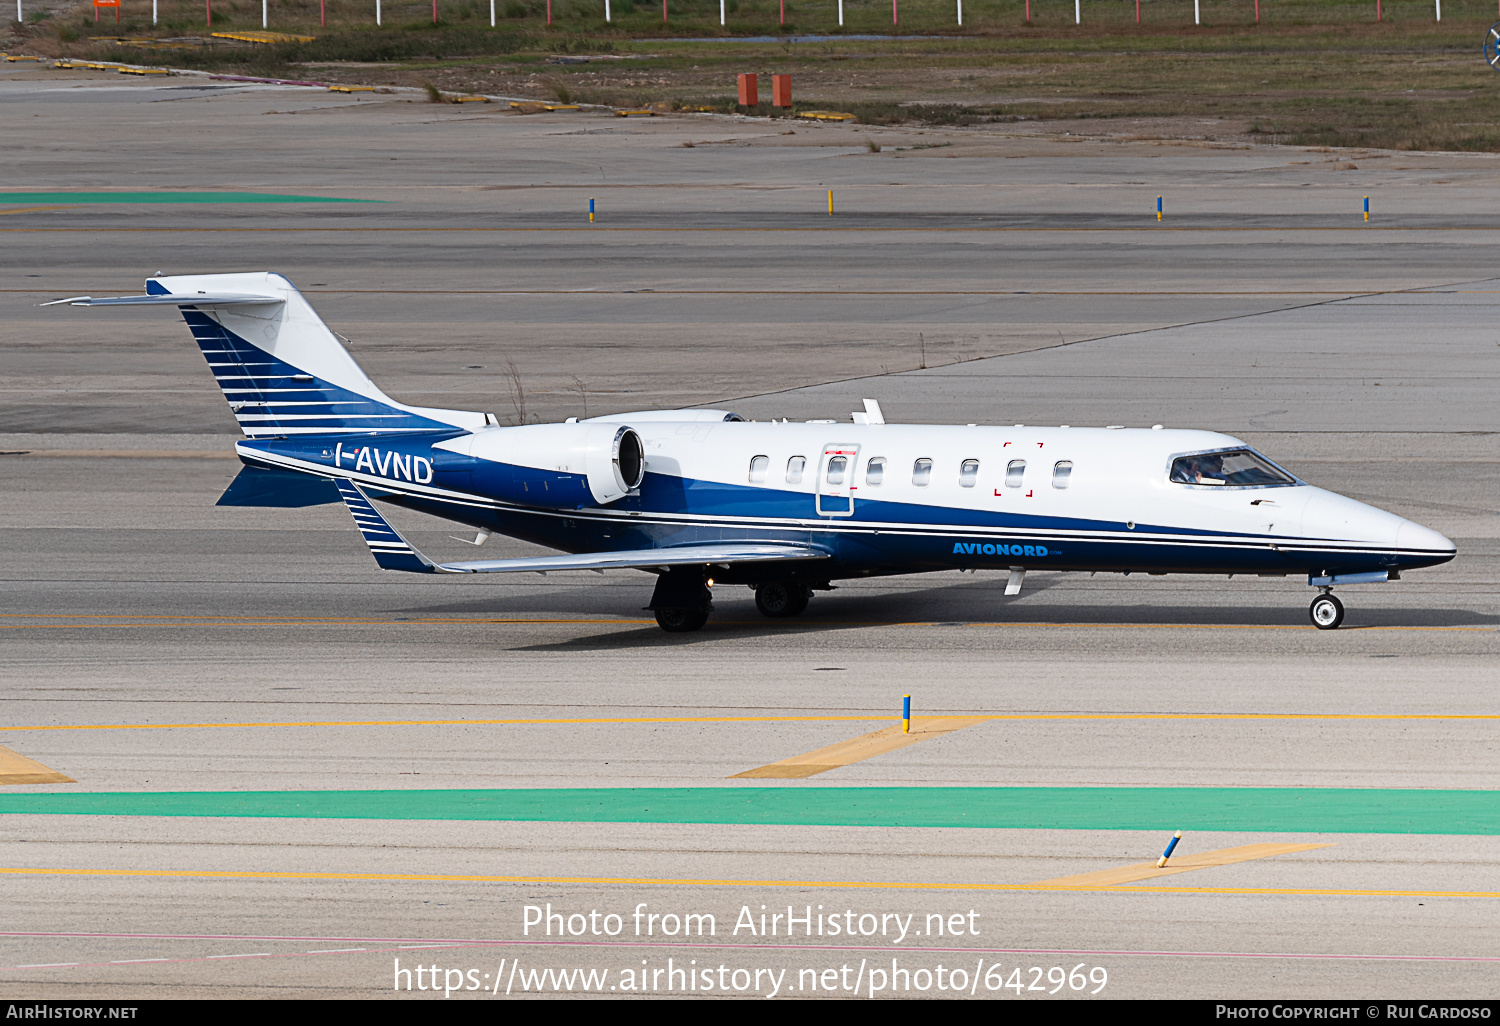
point(1029, 276)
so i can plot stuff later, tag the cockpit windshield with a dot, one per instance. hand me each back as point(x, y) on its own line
point(1233, 467)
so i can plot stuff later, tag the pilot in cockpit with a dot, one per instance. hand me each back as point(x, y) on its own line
point(1210, 469)
point(1207, 469)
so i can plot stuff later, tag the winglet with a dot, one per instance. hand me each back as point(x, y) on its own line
point(390, 550)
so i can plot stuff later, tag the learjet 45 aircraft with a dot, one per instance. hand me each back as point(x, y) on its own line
point(702, 497)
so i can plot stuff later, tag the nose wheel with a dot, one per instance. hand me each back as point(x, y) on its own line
point(1326, 612)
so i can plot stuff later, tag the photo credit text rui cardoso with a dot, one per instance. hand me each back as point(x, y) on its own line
point(824, 967)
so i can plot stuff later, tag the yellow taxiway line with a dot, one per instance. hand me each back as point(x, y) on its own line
point(866, 746)
point(1181, 864)
point(172, 620)
point(17, 769)
point(812, 226)
point(543, 721)
point(237, 874)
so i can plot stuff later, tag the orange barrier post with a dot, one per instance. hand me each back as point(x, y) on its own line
point(749, 93)
point(781, 90)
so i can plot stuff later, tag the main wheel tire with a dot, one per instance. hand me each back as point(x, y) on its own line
point(1326, 612)
point(680, 619)
point(777, 600)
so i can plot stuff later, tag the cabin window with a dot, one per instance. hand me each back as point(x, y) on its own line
point(836, 468)
point(794, 468)
point(1015, 470)
point(875, 471)
point(758, 465)
point(1062, 472)
point(968, 473)
point(1234, 467)
point(921, 473)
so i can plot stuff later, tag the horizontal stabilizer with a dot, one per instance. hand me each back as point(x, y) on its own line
point(642, 559)
point(281, 369)
point(200, 300)
point(260, 486)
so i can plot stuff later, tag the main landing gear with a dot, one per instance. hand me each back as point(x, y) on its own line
point(778, 600)
point(681, 600)
point(681, 619)
point(1326, 611)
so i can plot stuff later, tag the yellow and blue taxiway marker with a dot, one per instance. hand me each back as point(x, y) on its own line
point(1161, 863)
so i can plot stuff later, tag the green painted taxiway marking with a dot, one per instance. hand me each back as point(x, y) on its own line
point(169, 197)
point(1249, 809)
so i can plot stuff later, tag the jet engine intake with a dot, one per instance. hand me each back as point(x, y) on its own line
point(617, 468)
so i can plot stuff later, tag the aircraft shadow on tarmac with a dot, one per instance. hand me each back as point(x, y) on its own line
point(725, 624)
point(947, 605)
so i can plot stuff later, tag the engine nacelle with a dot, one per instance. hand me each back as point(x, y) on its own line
point(558, 465)
point(615, 462)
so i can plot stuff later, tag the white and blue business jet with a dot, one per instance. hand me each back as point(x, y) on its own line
point(699, 497)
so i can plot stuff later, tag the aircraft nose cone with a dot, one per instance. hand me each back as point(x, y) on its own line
point(1424, 539)
point(1330, 515)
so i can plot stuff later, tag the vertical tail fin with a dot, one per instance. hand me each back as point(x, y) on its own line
point(282, 370)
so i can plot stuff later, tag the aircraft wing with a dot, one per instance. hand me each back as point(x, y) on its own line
point(682, 555)
point(394, 552)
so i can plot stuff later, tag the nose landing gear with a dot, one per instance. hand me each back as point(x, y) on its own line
point(1326, 611)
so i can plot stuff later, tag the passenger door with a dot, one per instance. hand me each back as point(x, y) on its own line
point(836, 485)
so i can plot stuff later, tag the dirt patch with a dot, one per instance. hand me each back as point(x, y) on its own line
point(1403, 84)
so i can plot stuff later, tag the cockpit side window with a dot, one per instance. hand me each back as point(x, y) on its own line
point(1237, 467)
